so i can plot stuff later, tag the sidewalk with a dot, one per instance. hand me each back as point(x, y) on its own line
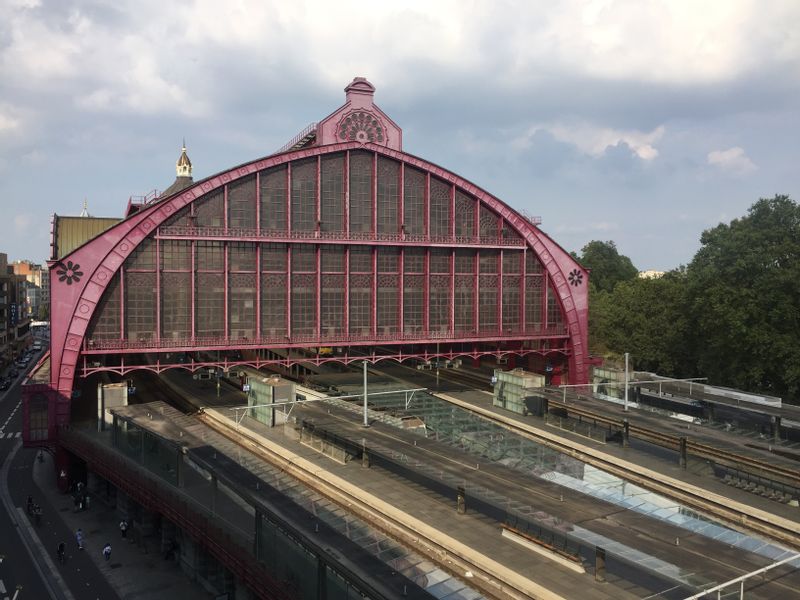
point(133, 571)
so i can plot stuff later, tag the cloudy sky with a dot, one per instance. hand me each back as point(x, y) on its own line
point(638, 121)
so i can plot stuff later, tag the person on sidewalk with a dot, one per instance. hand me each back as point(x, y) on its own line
point(107, 551)
point(123, 528)
point(79, 538)
point(61, 552)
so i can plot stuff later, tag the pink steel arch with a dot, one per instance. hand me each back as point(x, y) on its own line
point(73, 305)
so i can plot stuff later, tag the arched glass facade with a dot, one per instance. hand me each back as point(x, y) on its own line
point(346, 247)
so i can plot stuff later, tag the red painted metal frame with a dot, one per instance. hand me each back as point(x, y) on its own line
point(374, 358)
point(102, 258)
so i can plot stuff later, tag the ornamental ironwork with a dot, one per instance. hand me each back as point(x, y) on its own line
point(361, 126)
point(70, 272)
point(575, 277)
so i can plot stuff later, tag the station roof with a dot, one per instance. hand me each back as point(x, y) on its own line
point(70, 232)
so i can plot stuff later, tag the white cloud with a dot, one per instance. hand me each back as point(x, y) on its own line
point(170, 46)
point(23, 222)
point(733, 160)
point(7, 122)
point(15, 126)
point(595, 140)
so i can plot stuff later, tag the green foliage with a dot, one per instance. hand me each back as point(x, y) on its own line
point(608, 267)
point(745, 288)
point(732, 315)
point(650, 321)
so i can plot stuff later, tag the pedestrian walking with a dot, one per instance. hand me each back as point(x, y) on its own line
point(61, 552)
point(79, 538)
point(107, 551)
point(123, 528)
point(29, 507)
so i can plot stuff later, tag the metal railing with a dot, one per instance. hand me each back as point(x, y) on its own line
point(189, 231)
point(741, 580)
point(311, 339)
point(304, 133)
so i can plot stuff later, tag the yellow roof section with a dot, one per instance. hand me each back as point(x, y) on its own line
point(71, 232)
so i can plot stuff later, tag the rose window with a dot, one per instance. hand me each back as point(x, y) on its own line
point(361, 127)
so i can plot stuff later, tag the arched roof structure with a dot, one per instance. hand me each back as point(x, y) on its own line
point(341, 239)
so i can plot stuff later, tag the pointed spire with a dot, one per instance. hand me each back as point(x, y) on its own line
point(85, 211)
point(183, 167)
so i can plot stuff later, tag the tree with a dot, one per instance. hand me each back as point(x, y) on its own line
point(608, 267)
point(648, 318)
point(744, 285)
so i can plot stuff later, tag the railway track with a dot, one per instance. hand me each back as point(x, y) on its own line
point(778, 473)
point(740, 515)
point(393, 446)
point(489, 576)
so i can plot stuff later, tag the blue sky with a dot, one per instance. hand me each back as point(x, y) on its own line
point(636, 121)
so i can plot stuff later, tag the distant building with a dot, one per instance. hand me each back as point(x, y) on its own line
point(37, 286)
point(14, 318)
point(650, 274)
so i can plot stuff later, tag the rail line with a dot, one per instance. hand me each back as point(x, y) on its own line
point(779, 473)
point(489, 576)
point(387, 440)
point(735, 513)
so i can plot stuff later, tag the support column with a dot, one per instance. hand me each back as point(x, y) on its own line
point(599, 564)
point(710, 412)
point(226, 278)
point(364, 456)
point(124, 506)
point(322, 579)
point(682, 454)
point(257, 533)
point(169, 533)
point(626, 428)
point(159, 304)
point(147, 522)
point(366, 417)
point(259, 334)
point(775, 426)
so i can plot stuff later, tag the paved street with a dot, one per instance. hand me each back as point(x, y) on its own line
point(41, 578)
point(16, 568)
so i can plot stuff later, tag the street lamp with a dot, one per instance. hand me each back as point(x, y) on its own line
point(626, 381)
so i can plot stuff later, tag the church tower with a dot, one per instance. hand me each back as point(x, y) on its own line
point(183, 172)
point(183, 167)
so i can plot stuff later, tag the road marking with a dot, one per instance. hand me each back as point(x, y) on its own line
point(19, 433)
point(2, 587)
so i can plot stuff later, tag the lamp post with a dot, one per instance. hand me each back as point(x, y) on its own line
point(626, 381)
